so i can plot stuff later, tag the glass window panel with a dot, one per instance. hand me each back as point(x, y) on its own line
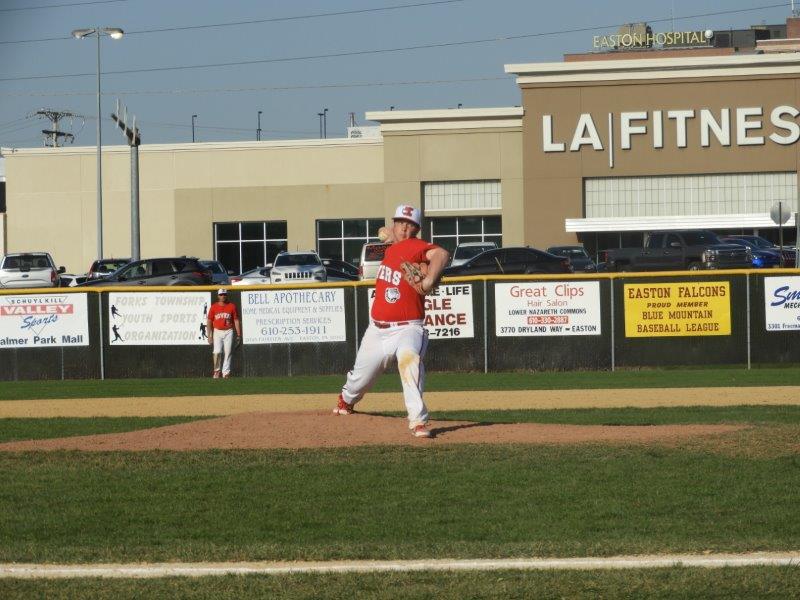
point(276, 230)
point(253, 231)
point(492, 225)
point(470, 225)
point(330, 249)
point(374, 225)
point(352, 250)
point(329, 228)
point(448, 243)
point(228, 255)
point(274, 248)
point(355, 228)
point(444, 226)
point(227, 231)
point(252, 255)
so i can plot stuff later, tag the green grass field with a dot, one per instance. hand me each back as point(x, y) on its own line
point(24, 390)
point(776, 583)
point(735, 493)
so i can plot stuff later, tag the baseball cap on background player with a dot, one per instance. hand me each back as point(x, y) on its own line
point(222, 292)
point(405, 212)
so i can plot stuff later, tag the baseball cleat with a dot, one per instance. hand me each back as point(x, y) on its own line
point(226, 376)
point(421, 431)
point(343, 408)
point(217, 374)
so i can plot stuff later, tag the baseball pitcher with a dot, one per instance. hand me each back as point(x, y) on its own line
point(410, 269)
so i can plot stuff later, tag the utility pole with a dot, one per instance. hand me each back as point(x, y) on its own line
point(325, 123)
point(193, 118)
point(134, 139)
point(53, 135)
point(258, 131)
point(320, 125)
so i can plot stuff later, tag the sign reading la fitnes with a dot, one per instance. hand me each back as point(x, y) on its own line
point(726, 127)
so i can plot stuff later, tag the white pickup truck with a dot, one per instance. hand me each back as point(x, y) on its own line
point(29, 270)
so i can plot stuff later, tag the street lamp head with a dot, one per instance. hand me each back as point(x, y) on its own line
point(114, 33)
point(79, 34)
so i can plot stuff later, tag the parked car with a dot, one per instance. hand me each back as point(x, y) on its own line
point(578, 257)
point(257, 276)
point(105, 267)
point(511, 261)
point(219, 274)
point(789, 254)
point(679, 250)
point(298, 267)
point(29, 270)
point(371, 257)
point(70, 280)
point(467, 250)
point(762, 258)
point(180, 270)
point(340, 270)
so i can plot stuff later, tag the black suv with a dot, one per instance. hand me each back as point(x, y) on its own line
point(511, 261)
point(179, 270)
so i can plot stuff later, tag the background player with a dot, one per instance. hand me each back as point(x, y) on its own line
point(396, 327)
point(222, 319)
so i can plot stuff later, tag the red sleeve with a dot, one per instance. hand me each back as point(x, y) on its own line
point(234, 312)
point(423, 250)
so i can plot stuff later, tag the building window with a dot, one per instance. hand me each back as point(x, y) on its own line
point(449, 232)
point(342, 239)
point(247, 245)
point(684, 195)
point(462, 195)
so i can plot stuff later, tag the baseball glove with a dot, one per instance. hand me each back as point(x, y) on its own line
point(414, 274)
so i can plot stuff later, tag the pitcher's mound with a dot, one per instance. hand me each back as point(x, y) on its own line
point(325, 430)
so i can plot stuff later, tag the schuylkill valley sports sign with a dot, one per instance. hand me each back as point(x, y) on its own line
point(43, 320)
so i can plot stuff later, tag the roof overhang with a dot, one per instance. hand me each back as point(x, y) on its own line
point(656, 68)
point(453, 118)
point(609, 224)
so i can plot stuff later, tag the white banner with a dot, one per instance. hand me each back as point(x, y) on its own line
point(293, 316)
point(448, 311)
point(158, 318)
point(782, 303)
point(43, 320)
point(547, 308)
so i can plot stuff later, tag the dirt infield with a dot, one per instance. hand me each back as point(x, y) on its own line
point(437, 401)
point(320, 429)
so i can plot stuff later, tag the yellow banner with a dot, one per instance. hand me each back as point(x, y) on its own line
point(677, 309)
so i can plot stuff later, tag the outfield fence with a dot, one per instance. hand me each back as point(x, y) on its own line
point(506, 323)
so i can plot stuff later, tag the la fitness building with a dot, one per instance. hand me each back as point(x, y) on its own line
point(599, 152)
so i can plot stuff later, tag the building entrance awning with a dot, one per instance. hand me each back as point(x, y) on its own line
point(743, 221)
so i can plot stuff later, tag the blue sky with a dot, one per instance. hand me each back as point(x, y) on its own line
point(292, 113)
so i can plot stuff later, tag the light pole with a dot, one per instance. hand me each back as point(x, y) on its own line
point(114, 33)
point(193, 118)
point(258, 131)
point(320, 125)
point(325, 123)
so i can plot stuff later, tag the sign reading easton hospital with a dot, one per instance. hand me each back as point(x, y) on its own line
point(44, 320)
point(448, 311)
point(646, 40)
point(677, 309)
point(158, 318)
point(782, 303)
point(740, 126)
point(293, 316)
point(547, 308)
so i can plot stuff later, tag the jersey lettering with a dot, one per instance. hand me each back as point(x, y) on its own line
point(389, 275)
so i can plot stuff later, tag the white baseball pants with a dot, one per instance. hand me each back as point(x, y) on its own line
point(379, 347)
point(223, 349)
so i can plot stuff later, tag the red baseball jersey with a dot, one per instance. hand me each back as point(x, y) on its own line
point(395, 299)
point(223, 315)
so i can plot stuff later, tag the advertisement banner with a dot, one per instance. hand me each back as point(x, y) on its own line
point(677, 309)
point(293, 316)
point(158, 318)
point(43, 320)
point(448, 311)
point(541, 308)
point(782, 303)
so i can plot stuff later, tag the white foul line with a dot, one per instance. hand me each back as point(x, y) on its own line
point(154, 570)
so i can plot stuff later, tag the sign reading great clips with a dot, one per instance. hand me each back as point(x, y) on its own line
point(677, 309)
point(782, 303)
point(547, 308)
point(158, 318)
point(293, 316)
point(43, 320)
point(448, 311)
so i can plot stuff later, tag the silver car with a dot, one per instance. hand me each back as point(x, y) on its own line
point(298, 267)
point(29, 270)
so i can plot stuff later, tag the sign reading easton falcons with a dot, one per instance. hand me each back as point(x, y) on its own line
point(782, 303)
point(158, 318)
point(448, 311)
point(43, 320)
point(293, 316)
point(539, 308)
point(726, 126)
point(677, 309)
